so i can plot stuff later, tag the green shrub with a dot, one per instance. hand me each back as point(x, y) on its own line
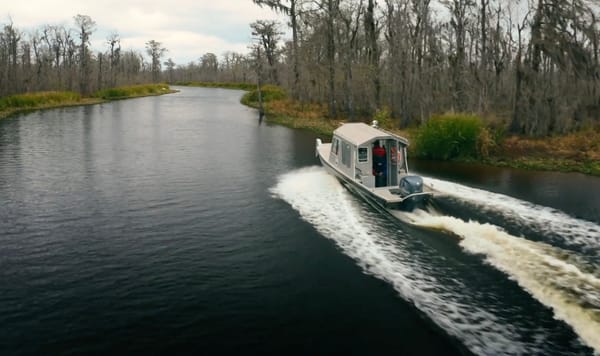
point(450, 136)
point(269, 93)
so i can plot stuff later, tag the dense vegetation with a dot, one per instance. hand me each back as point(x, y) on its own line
point(529, 67)
point(532, 66)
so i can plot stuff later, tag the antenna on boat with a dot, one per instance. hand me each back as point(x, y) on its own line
point(375, 124)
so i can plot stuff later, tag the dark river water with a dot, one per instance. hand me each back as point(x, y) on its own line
point(181, 224)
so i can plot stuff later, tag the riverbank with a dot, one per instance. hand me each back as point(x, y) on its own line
point(15, 104)
point(575, 152)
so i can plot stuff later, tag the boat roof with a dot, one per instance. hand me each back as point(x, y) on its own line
point(359, 133)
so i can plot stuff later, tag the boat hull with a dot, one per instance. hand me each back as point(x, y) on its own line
point(408, 203)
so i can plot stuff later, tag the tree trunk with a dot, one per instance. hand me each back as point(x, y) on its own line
point(331, 9)
point(373, 51)
point(296, 65)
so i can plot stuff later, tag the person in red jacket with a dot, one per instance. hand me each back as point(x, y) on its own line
point(379, 165)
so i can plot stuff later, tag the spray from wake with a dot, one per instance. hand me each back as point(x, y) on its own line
point(542, 270)
point(554, 224)
point(324, 203)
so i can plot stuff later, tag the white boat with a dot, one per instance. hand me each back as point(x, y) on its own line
point(372, 163)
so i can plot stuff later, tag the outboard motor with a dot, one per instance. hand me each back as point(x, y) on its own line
point(411, 185)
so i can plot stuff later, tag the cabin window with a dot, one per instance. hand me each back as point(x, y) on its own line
point(346, 153)
point(336, 146)
point(363, 154)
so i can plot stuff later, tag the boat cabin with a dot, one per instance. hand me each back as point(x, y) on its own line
point(374, 158)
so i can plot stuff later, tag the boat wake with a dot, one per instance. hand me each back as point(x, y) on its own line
point(542, 270)
point(555, 225)
point(546, 272)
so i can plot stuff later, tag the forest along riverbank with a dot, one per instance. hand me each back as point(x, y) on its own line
point(15, 104)
point(573, 152)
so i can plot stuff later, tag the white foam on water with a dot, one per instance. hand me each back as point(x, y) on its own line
point(541, 269)
point(572, 231)
point(324, 203)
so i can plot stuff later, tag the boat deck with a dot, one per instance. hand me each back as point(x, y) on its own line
point(386, 194)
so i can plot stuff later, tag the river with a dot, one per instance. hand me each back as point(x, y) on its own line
point(182, 224)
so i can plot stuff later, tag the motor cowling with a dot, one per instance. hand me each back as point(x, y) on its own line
point(411, 185)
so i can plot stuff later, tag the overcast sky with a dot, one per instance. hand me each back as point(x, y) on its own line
point(187, 28)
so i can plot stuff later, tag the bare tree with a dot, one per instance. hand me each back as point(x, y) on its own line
point(348, 39)
point(459, 10)
point(292, 9)
point(209, 67)
point(170, 69)
point(156, 52)
point(12, 38)
point(114, 56)
point(85, 27)
point(267, 34)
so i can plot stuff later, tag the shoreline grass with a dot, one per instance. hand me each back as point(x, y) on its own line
point(21, 103)
point(133, 91)
point(237, 86)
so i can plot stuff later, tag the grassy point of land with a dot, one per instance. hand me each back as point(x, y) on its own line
point(134, 91)
point(20, 103)
point(297, 115)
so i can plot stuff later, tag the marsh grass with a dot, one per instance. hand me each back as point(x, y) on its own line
point(240, 86)
point(35, 100)
point(52, 99)
point(292, 113)
point(269, 93)
point(133, 91)
point(14, 104)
